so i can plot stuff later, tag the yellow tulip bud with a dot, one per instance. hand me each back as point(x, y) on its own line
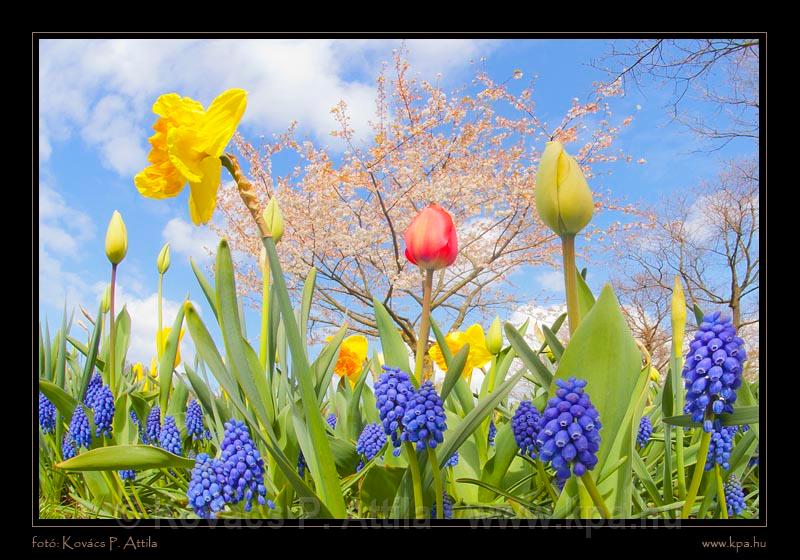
point(563, 197)
point(116, 239)
point(274, 219)
point(163, 259)
point(494, 338)
point(678, 312)
point(106, 302)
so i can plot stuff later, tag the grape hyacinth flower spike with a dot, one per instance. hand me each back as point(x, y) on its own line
point(424, 421)
point(734, 496)
point(525, 425)
point(331, 420)
point(720, 447)
point(492, 433)
point(79, 430)
point(244, 467)
point(370, 442)
point(153, 429)
point(68, 449)
point(47, 415)
point(453, 460)
point(713, 370)
point(170, 438)
point(194, 422)
point(205, 494)
point(392, 393)
point(645, 431)
point(569, 437)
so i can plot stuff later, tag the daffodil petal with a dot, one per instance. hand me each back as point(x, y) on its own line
point(203, 197)
point(185, 154)
point(357, 344)
point(160, 180)
point(221, 120)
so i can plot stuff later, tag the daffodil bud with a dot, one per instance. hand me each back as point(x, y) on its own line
point(116, 239)
point(678, 313)
point(563, 197)
point(494, 338)
point(274, 219)
point(163, 259)
point(106, 301)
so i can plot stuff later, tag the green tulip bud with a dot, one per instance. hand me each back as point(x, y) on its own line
point(106, 301)
point(274, 218)
point(563, 197)
point(116, 239)
point(163, 259)
point(494, 338)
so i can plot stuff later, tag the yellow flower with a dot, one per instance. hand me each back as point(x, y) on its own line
point(138, 371)
point(352, 354)
point(186, 147)
point(563, 197)
point(654, 374)
point(478, 356)
point(161, 343)
point(116, 239)
point(153, 371)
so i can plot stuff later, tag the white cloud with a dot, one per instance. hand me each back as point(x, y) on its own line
point(105, 88)
point(552, 280)
point(190, 241)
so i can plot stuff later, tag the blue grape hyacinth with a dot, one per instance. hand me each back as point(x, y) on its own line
point(95, 382)
point(492, 433)
point(645, 431)
point(244, 467)
point(713, 370)
point(447, 507)
point(393, 390)
point(79, 429)
point(424, 422)
point(68, 449)
point(453, 460)
point(719, 449)
point(47, 415)
point(569, 437)
point(205, 492)
point(331, 420)
point(734, 496)
point(153, 428)
point(301, 465)
point(102, 405)
point(170, 438)
point(525, 425)
point(127, 474)
point(194, 422)
point(370, 442)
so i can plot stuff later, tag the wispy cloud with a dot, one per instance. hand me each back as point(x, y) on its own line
point(189, 241)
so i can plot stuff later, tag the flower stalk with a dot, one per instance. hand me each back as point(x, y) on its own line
point(416, 480)
point(424, 325)
point(570, 282)
point(697, 477)
point(723, 506)
point(437, 483)
point(591, 487)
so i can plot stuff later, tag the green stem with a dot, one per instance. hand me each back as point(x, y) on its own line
point(437, 483)
point(424, 324)
point(111, 358)
point(570, 282)
point(416, 479)
point(546, 481)
point(667, 490)
point(138, 501)
point(262, 354)
point(697, 476)
point(723, 506)
point(588, 482)
point(159, 342)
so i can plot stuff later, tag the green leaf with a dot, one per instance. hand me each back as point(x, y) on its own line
point(166, 364)
point(379, 488)
point(528, 357)
point(454, 368)
point(305, 303)
point(552, 341)
point(208, 290)
point(91, 355)
point(395, 352)
point(119, 457)
point(121, 343)
point(741, 415)
point(354, 423)
point(585, 296)
point(500, 492)
point(320, 460)
point(496, 467)
point(698, 314)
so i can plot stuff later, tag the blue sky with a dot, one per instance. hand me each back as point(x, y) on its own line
point(94, 120)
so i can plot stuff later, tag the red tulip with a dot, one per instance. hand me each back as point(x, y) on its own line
point(431, 241)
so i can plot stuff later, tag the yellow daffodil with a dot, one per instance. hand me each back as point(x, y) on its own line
point(161, 342)
point(138, 371)
point(352, 354)
point(187, 146)
point(479, 355)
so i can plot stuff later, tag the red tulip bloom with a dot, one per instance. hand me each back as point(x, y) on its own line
point(431, 241)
